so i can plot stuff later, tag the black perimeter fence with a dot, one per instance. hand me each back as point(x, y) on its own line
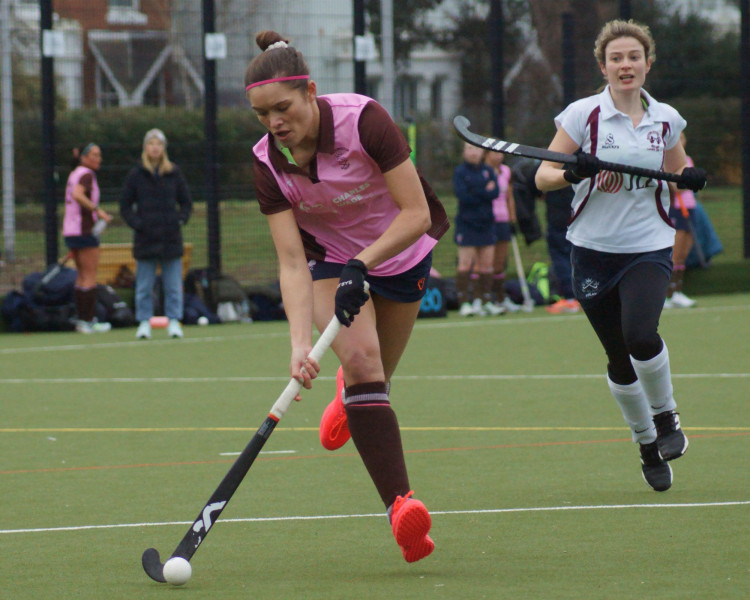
point(81, 71)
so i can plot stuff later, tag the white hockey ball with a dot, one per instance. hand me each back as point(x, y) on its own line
point(177, 570)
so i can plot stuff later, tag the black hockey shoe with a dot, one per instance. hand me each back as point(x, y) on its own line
point(670, 438)
point(656, 472)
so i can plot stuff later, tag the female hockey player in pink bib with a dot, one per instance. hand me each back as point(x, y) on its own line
point(346, 205)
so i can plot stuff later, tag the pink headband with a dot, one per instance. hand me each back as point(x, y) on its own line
point(276, 79)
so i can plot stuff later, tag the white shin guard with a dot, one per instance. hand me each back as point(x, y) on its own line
point(655, 376)
point(635, 410)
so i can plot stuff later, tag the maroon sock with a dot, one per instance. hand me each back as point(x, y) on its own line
point(498, 286)
point(375, 433)
point(485, 287)
point(85, 299)
point(462, 286)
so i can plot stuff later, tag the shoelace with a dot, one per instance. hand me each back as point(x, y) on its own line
point(666, 422)
point(399, 501)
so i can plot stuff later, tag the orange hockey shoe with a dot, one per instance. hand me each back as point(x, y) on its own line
point(411, 522)
point(334, 430)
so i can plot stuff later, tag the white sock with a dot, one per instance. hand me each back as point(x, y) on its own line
point(634, 407)
point(656, 378)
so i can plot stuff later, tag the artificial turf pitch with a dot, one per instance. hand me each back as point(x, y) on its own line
point(109, 446)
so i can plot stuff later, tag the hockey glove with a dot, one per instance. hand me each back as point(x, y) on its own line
point(351, 294)
point(693, 179)
point(586, 165)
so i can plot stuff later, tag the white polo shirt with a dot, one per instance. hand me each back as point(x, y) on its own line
point(615, 212)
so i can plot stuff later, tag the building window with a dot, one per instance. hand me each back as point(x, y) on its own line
point(106, 94)
point(125, 12)
point(406, 98)
point(132, 4)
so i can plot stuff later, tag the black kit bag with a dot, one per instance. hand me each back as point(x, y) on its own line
point(57, 291)
point(48, 306)
point(113, 309)
point(198, 282)
point(230, 299)
point(48, 318)
point(266, 303)
point(11, 310)
point(194, 309)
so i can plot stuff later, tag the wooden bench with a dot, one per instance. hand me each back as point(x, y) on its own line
point(113, 257)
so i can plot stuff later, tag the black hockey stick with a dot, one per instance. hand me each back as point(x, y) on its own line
point(462, 124)
point(220, 498)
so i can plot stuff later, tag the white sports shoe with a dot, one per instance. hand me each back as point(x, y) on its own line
point(144, 331)
point(494, 308)
point(83, 327)
point(509, 305)
point(680, 300)
point(174, 329)
point(476, 306)
point(466, 310)
point(92, 327)
point(97, 327)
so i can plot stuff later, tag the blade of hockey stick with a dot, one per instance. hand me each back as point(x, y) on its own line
point(220, 498)
point(462, 124)
point(528, 303)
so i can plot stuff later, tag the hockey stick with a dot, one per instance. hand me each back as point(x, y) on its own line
point(462, 128)
point(52, 273)
point(220, 498)
point(528, 303)
point(96, 231)
point(691, 228)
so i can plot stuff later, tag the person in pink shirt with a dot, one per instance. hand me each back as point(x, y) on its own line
point(504, 210)
point(82, 211)
point(683, 240)
point(345, 206)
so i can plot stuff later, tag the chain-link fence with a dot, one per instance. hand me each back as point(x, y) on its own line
point(122, 67)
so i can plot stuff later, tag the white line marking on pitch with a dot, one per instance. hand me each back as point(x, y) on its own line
point(139, 344)
point(491, 377)
point(419, 325)
point(262, 452)
point(380, 515)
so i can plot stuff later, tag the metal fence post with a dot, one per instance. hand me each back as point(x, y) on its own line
point(48, 133)
point(209, 128)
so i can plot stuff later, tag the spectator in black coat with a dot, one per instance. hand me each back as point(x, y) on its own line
point(156, 203)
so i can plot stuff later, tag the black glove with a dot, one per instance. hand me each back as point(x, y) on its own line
point(693, 179)
point(351, 294)
point(586, 165)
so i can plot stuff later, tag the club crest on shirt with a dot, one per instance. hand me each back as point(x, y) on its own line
point(609, 143)
point(656, 144)
point(340, 155)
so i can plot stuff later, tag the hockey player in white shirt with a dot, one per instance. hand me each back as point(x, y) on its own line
point(622, 236)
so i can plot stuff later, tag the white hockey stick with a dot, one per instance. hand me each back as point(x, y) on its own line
point(528, 303)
